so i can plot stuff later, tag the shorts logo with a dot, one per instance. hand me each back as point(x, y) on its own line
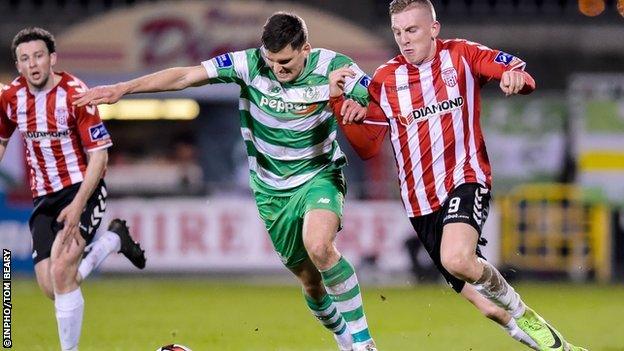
point(455, 216)
point(323, 200)
point(365, 81)
point(98, 132)
point(224, 61)
point(503, 58)
point(449, 76)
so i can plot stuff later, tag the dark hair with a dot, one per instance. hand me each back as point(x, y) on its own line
point(284, 28)
point(30, 34)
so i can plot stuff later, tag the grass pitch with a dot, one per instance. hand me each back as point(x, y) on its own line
point(205, 315)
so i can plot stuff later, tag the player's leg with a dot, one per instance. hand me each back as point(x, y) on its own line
point(338, 274)
point(40, 224)
point(465, 212)
point(116, 239)
point(282, 218)
point(321, 305)
point(323, 211)
point(463, 215)
point(429, 230)
point(65, 258)
point(498, 315)
point(488, 281)
point(68, 300)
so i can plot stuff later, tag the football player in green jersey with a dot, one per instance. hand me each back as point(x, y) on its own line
point(295, 162)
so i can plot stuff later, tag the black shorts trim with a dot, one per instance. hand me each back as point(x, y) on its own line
point(43, 224)
point(468, 203)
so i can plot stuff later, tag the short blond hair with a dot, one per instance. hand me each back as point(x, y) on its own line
point(397, 6)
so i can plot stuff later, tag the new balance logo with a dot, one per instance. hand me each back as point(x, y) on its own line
point(323, 200)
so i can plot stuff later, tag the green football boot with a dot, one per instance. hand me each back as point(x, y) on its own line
point(576, 348)
point(546, 337)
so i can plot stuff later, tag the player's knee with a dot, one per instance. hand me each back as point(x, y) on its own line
point(321, 252)
point(457, 265)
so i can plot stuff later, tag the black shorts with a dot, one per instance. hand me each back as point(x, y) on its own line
point(468, 203)
point(43, 224)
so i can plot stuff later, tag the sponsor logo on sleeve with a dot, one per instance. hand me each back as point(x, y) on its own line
point(503, 58)
point(98, 132)
point(365, 81)
point(224, 61)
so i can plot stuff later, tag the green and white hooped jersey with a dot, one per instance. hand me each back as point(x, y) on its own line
point(288, 128)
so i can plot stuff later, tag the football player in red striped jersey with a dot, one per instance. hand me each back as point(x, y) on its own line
point(428, 97)
point(66, 152)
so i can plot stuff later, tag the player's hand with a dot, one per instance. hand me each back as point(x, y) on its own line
point(352, 112)
point(105, 94)
point(512, 82)
point(337, 80)
point(70, 217)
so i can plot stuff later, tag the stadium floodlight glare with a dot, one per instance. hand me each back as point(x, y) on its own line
point(620, 7)
point(151, 109)
point(591, 8)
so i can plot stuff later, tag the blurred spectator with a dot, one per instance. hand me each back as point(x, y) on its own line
point(185, 158)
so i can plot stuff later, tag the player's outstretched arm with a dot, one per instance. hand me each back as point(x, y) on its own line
point(170, 79)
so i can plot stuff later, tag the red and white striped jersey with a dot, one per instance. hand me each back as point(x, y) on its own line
point(433, 113)
point(56, 134)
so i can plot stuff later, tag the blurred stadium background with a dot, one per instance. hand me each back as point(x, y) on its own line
point(178, 173)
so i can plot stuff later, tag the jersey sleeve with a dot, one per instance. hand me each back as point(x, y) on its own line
point(490, 64)
point(367, 137)
point(91, 129)
point(7, 126)
point(355, 88)
point(375, 114)
point(231, 67)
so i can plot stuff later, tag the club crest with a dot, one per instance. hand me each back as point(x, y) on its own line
point(449, 76)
